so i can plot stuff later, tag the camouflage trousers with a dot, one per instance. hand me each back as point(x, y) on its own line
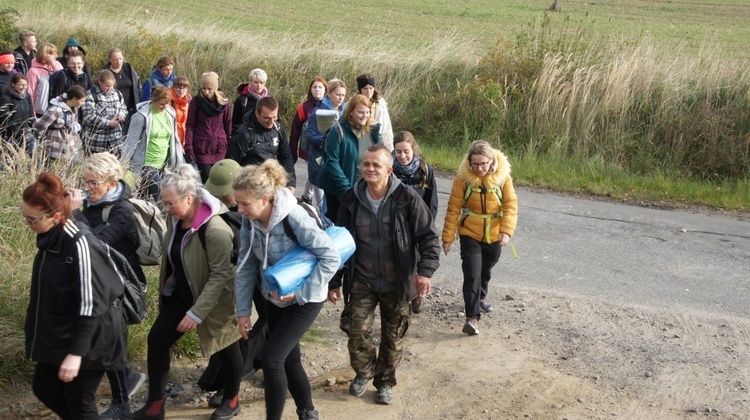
point(357, 321)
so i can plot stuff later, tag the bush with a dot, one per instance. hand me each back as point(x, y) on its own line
point(8, 29)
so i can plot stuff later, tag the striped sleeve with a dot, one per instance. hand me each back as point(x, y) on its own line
point(85, 275)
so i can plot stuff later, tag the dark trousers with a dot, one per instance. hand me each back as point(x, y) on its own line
point(477, 260)
point(164, 334)
point(204, 169)
point(119, 385)
point(332, 206)
point(282, 366)
point(150, 183)
point(71, 400)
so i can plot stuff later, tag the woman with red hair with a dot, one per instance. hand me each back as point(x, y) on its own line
point(74, 330)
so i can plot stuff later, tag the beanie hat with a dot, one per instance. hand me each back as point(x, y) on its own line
point(7, 58)
point(220, 179)
point(72, 42)
point(210, 80)
point(363, 81)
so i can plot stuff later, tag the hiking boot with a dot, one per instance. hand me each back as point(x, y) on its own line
point(304, 414)
point(153, 410)
point(470, 327)
point(216, 399)
point(228, 408)
point(358, 386)
point(485, 305)
point(384, 395)
point(307, 200)
point(416, 305)
point(117, 410)
point(135, 381)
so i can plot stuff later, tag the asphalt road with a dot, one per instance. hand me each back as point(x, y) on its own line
point(618, 253)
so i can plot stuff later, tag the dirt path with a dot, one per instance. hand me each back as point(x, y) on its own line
point(538, 356)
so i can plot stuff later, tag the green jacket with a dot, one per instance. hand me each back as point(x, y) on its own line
point(210, 274)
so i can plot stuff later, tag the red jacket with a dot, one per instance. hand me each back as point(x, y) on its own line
point(209, 126)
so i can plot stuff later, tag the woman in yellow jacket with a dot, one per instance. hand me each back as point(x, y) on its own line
point(483, 207)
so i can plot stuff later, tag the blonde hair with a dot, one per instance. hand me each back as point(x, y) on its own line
point(103, 165)
point(44, 51)
point(257, 180)
point(183, 180)
point(357, 100)
point(483, 148)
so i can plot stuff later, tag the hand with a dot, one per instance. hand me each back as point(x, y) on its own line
point(69, 368)
point(187, 324)
point(74, 197)
point(334, 295)
point(423, 285)
point(292, 189)
point(244, 325)
point(447, 247)
point(504, 239)
point(114, 123)
point(285, 298)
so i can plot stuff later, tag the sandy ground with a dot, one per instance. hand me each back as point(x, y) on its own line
point(538, 356)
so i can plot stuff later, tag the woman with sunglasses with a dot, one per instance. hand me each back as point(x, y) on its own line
point(483, 207)
point(74, 330)
point(196, 290)
point(109, 214)
point(153, 143)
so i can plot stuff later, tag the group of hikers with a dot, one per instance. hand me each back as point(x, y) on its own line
point(222, 174)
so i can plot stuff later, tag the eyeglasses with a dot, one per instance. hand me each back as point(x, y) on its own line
point(484, 164)
point(168, 205)
point(32, 221)
point(92, 183)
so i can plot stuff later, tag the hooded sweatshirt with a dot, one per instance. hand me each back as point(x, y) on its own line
point(262, 247)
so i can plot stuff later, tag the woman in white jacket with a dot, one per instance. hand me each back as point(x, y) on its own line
point(379, 109)
point(264, 200)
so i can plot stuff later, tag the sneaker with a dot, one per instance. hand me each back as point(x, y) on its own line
point(116, 411)
point(485, 305)
point(228, 408)
point(416, 305)
point(216, 399)
point(358, 386)
point(384, 395)
point(471, 327)
point(304, 414)
point(135, 381)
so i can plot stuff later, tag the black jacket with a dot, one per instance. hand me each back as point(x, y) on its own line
point(63, 80)
point(72, 306)
point(23, 60)
point(415, 238)
point(120, 232)
point(253, 144)
point(16, 115)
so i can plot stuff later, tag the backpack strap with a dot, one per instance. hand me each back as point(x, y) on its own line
point(288, 231)
point(466, 212)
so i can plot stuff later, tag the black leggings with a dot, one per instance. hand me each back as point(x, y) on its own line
point(164, 334)
point(71, 400)
point(282, 366)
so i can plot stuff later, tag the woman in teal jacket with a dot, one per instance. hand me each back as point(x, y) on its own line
point(344, 148)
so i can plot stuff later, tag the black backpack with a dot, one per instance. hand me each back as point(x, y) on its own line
point(234, 221)
point(133, 299)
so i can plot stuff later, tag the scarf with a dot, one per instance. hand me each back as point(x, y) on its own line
point(250, 93)
point(405, 170)
point(109, 197)
point(211, 109)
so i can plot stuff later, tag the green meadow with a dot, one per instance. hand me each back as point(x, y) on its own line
point(636, 100)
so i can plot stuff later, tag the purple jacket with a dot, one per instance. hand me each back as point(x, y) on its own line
point(208, 129)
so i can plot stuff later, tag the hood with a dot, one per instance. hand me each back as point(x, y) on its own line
point(60, 102)
point(72, 42)
point(361, 188)
point(144, 108)
point(326, 104)
point(283, 204)
point(209, 207)
point(499, 172)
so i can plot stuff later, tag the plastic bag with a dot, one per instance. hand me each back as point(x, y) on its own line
point(294, 268)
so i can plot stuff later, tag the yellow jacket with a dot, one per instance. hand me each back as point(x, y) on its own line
point(470, 222)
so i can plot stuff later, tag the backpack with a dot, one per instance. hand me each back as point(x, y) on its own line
point(234, 223)
point(314, 212)
point(151, 229)
point(133, 299)
point(305, 124)
point(41, 94)
point(314, 178)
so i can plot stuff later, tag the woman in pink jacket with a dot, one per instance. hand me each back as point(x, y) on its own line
point(42, 67)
